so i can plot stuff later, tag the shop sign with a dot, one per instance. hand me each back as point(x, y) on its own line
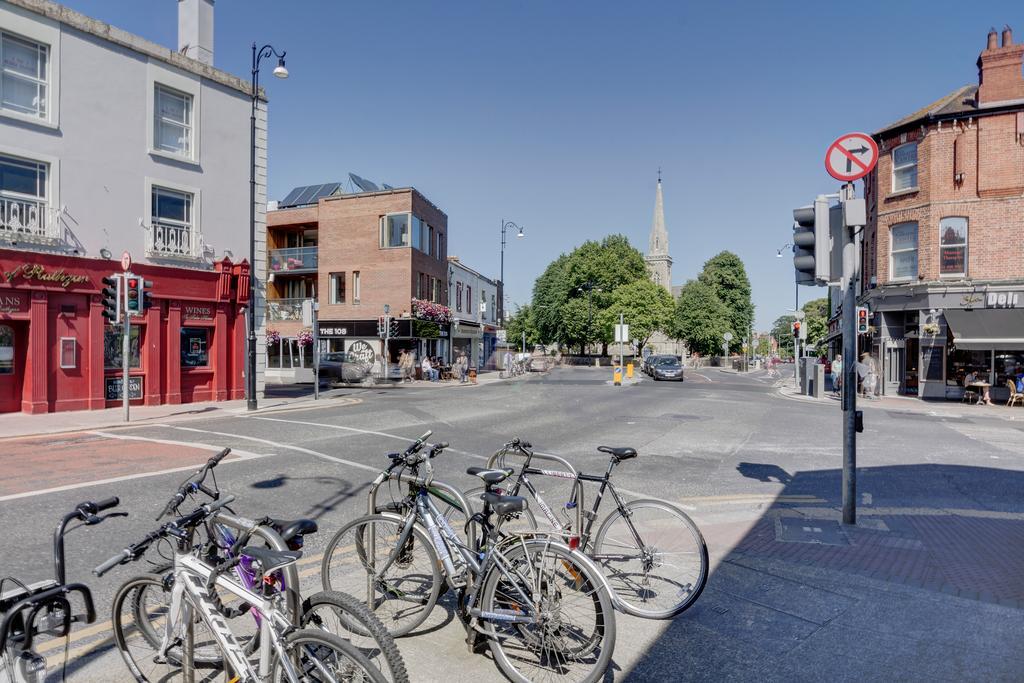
point(361, 351)
point(333, 331)
point(114, 392)
point(198, 312)
point(1002, 300)
point(13, 303)
point(32, 271)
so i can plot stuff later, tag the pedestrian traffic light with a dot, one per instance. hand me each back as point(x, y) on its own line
point(392, 327)
point(862, 320)
point(382, 326)
point(812, 243)
point(111, 294)
point(131, 295)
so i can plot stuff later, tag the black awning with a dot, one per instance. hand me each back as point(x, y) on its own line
point(987, 328)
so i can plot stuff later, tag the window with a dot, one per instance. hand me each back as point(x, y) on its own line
point(1009, 364)
point(458, 297)
point(68, 352)
point(195, 342)
point(395, 230)
point(23, 204)
point(425, 237)
point(112, 357)
point(337, 288)
point(6, 350)
point(953, 246)
point(172, 226)
point(494, 311)
point(903, 250)
point(172, 125)
point(469, 299)
point(417, 232)
point(440, 246)
point(355, 287)
point(23, 85)
point(904, 167)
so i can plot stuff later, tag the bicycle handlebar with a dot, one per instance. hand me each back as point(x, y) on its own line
point(194, 483)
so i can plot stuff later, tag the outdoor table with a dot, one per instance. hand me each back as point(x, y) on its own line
point(982, 391)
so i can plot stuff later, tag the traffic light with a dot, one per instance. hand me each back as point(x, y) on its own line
point(111, 294)
point(862, 320)
point(131, 295)
point(812, 244)
point(145, 299)
point(392, 327)
point(381, 326)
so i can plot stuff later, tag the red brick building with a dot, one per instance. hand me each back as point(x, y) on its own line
point(355, 253)
point(944, 247)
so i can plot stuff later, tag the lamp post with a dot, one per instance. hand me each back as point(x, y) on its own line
point(281, 72)
point(501, 278)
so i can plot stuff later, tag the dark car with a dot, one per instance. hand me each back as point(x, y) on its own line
point(655, 360)
point(339, 367)
point(668, 368)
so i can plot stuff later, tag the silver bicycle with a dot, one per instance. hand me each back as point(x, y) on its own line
point(285, 653)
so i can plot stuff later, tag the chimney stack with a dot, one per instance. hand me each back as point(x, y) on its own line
point(195, 29)
point(1000, 76)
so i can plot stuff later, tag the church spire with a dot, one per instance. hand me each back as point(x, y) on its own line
point(659, 262)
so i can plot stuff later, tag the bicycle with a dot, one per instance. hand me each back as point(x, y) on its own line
point(640, 546)
point(44, 608)
point(285, 653)
point(334, 612)
point(543, 609)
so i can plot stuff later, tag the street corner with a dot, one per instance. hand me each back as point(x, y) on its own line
point(46, 463)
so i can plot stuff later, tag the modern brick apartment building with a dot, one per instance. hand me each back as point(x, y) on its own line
point(356, 253)
point(944, 246)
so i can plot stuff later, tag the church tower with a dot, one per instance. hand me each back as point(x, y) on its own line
point(659, 263)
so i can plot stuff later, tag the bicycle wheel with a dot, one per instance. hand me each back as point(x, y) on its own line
point(403, 596)
point(321, 656)
point(665, 572)
point(139, 617)
point(343, 615)
point(575, 637)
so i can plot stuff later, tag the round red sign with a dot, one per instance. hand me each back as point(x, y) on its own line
point(126, 261)
point(851, 157)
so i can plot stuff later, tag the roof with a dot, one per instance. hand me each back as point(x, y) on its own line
point(112, 34)
point(961, 100)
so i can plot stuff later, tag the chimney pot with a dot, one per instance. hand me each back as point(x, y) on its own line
point(195, 29)
point(1007, 36)
point(993, 39)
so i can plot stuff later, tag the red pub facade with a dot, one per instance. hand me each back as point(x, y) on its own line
point(58, 353)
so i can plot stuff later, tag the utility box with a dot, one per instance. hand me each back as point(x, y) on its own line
point(807, 375)
point(818, 381)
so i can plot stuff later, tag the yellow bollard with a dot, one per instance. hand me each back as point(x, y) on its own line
point(629, 371)
point(617, 376)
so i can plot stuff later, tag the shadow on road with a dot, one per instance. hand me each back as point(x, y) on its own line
point(344, 490)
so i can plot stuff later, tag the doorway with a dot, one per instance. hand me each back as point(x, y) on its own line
point(13, 345)
point(911, 374)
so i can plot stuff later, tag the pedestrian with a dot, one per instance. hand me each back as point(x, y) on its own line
point(401, 364)
point(507, 364)
point(867, 373)
point(429, 373)
point(463, 367)
point(409, 370)
point(837, 374)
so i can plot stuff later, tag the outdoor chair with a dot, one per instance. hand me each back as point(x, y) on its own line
point(1015, 395)
point(969, 395)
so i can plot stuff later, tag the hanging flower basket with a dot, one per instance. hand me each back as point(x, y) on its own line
point(305, 337)
point(930, 328)
point(273, 337)
point(428, 310)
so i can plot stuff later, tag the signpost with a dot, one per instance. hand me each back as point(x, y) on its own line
point(851, 157)
point(622, 337)
point(725, 347)
point(126, 261)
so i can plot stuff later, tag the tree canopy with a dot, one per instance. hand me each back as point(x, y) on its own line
point(646, 307)
point(727, 277)
point(782, 330)
point(701, 319)
point(816, 313)
point(523, 321)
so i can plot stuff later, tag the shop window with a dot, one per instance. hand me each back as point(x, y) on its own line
point(394, 230)
point(195, 347)
point(903, 251)
point(904, 167)
point(112, 357)
point(274, 355)
point(172, 125)
point(6, 350)
point(953, 246)
point(23, 85)
point(1009, 366)
point(356, 287)
point(337, 288)
point(962, 362)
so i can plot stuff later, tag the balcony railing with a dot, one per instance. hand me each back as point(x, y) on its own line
point(298, 258)
point(173, 240)
point(284, 310)
point(27, 219)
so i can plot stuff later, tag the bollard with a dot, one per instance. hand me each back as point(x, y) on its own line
point(597, 362)
point(629, 371)
point(617, 376)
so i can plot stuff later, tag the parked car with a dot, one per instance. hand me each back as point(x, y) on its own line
point(668, 368)
point(339, 367)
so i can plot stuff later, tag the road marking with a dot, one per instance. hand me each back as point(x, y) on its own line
point(242, 457)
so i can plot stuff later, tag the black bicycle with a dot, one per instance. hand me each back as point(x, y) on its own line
point(651, 552)
point(45, 608)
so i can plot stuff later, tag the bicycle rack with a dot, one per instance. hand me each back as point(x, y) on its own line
point(577, 484)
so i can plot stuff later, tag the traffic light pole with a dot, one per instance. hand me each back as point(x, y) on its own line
point(126, 361)
point(851, 277)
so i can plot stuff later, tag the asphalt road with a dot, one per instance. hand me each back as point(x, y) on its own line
point(724, 447)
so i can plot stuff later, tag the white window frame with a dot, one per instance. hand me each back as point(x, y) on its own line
point(355, 286)
point(893, 252)
point(915, 165)
point(333, 282)
point(186, 125)
point(46, 32)
point(198, 242)
point(943, 247)
point(54, 229)
point(384, 230)
point(181, 83)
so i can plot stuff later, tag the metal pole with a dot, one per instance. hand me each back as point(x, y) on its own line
point(316, 348)
point(796, 339)
point(501, 277)
point(524, 341)
point(590, 314)
point(126, 344)
point(851, 268)
point(250, 368)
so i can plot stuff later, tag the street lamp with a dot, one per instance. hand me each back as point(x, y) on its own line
point(501, 278)
point(281, 72)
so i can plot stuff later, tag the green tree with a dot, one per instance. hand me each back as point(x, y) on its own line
point(550, 294)
point(522, 322)
point(782, 330)
point(701, 319)
point(725, 274)
point(646, 307)
point(816, 313)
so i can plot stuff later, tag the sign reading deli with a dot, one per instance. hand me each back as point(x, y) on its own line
point(32, 271)
point(1002, 300)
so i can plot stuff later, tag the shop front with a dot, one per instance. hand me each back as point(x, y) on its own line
point(360, 338)
point(57, 352)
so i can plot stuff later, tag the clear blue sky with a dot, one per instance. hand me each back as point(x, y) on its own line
point(557, 115)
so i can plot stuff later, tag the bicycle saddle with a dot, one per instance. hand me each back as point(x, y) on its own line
point(269, 560)
point(504, 505)
point(289, 528)
point(618, 453)
point(490, 477)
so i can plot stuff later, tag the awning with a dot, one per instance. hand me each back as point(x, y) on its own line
point(987, 328)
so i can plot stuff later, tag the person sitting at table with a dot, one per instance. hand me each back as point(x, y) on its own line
point(974, 379)
point(429, 373)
